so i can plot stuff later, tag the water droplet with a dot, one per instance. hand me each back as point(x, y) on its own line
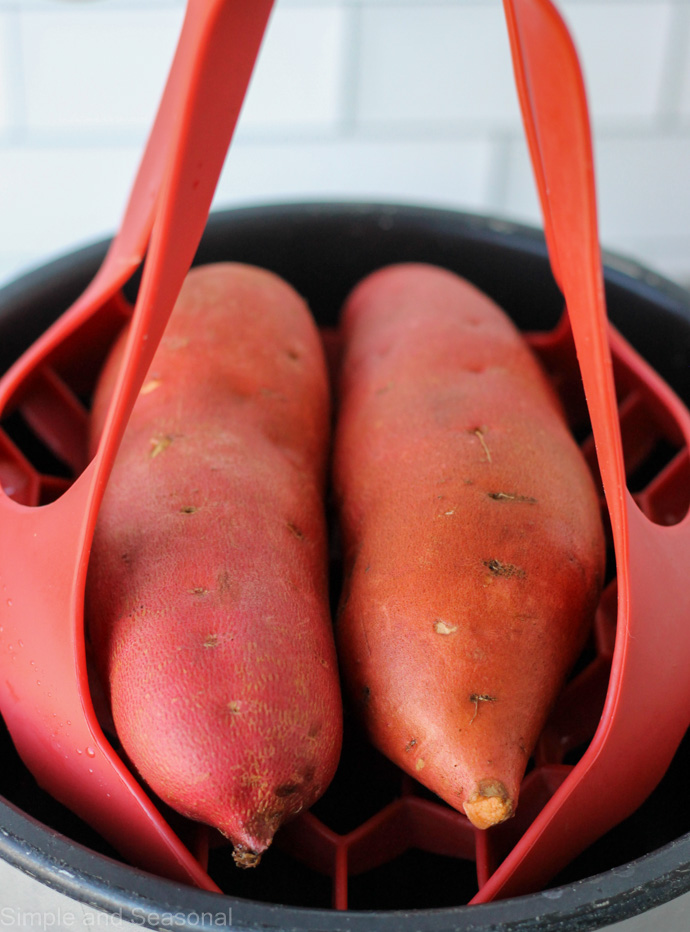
point(20, 642)
point(90, 769)
point(90, 752)
point(9, 603)
point(38, 682)
point(79, 751)
point(68, 722)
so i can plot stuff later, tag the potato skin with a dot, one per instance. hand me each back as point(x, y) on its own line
point(473, 542)
point(206, 598)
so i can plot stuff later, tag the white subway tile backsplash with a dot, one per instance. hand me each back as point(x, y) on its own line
point(54, 197)
point(435, 63)
point(642, 190)
point(297, 79)
point(454, 174)
point(91, 67)
point(72, 5)
point(520, 199)
point(644, 185)
point(622, 48)
point(407, 100)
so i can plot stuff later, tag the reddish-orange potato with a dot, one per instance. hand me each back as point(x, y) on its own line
point(207, 598)
point(472, 532)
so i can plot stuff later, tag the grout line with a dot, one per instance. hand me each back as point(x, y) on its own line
point(41, 6)
point(350, 77)
point(401, 132)
point(15, 70)
point(179, 4)
point(498, 175)
point(676, 54)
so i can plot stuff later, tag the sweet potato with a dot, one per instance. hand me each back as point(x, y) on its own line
point(472, 536)
point(207, 600)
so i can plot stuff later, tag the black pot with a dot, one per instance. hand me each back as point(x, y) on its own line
point(641, 869)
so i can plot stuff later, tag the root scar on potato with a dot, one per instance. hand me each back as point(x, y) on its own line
point(477, 698)
point(512, 497)
point(150, 386)
point(504, 569)
point(488, 804)
point(479, 433)
point(158, 444)
point(295, 531)
point(245, 858)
